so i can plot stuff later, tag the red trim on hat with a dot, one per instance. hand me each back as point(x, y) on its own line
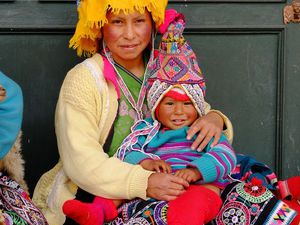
point(177, 96)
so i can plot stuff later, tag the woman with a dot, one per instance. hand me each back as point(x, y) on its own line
point(99, 101)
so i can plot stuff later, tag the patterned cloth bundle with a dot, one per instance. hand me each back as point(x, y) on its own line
point(252, 203)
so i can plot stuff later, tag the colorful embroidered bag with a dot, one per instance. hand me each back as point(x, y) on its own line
point(252, 203)
point(15, 205)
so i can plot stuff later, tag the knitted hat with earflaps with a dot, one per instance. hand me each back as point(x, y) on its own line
point(92, 17)
point(175, 65)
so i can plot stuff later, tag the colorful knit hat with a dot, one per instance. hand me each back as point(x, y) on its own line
point(175, 65)
point(92, 17)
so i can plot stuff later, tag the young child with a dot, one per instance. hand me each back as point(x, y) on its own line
point(176, 90)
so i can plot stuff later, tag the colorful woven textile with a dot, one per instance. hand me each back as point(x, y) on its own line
point(150, 212)
point(252, 204)
point(15, 206)
point(248, 168)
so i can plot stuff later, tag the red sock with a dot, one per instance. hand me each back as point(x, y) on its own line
point(100, 210)
point(290, 187)
point(294, 186)
point(197, 206)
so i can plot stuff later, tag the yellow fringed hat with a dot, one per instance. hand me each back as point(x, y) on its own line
point(92, 16)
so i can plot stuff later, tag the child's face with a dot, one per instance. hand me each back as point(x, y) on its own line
point(175, 114)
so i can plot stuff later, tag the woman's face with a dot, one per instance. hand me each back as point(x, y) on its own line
point(127, 35)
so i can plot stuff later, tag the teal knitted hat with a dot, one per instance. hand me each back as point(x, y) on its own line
point(11, 113)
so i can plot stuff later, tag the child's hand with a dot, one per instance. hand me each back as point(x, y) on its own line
point(156, 165)
point(189, 174)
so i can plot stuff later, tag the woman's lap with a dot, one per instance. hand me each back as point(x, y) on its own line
point(262, 207)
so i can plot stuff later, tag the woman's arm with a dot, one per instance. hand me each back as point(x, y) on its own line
point(77, 129)
point(83, 158)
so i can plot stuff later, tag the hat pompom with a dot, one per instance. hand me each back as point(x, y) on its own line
point(170, 16)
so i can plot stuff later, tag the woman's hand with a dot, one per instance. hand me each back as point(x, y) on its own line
point(156, 165)
point(189, 174)
point(208, 126)
point(166, 187)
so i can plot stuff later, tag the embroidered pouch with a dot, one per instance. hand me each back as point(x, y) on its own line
point(15, 205)
point(252, 204)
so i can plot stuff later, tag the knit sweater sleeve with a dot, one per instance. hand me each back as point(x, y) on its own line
point(82, 155)
point(217, 162)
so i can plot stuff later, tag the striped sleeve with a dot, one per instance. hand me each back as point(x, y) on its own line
point(217, 162)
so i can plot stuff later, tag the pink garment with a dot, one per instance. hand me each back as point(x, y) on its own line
point(170, 16)
point(110, 75)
